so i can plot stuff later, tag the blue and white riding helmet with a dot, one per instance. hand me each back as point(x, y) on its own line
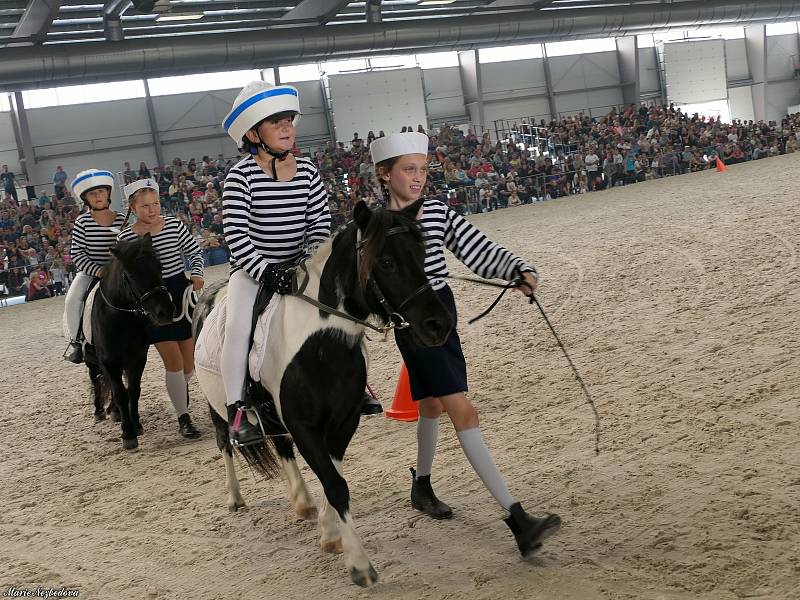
point(130, 189)
point(257, 101)
point(91, 179)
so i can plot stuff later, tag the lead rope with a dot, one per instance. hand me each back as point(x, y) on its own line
point(534, 300)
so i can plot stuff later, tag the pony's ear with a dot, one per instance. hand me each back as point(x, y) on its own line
point(411, 211)
point(116, 251)
point(361, 215)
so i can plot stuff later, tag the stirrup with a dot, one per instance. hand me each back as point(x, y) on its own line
point(237, 421)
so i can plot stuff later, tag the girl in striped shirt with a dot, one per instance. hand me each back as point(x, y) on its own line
point(171, 241)
point(438, 376)
point(93, 234)
point(274, 205)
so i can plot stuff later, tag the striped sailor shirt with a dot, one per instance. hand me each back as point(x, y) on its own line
point(268, 221)
point(443, 228)
point(171, 244)
point(91, 243)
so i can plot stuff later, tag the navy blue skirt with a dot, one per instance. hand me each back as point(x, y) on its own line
point(181, 330)
point(437, 371)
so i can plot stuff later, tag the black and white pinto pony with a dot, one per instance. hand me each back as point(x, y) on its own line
point(315, 365)
point(130, 295)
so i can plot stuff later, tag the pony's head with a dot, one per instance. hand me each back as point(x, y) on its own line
point(391, 273)
point(138, 274)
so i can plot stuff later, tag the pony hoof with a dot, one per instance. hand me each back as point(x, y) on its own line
point(366, 578)
point(309, 513)
point(130, 444)
point(236, 505)
point(333, 547)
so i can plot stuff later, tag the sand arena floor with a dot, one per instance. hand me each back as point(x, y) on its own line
point(679, 302)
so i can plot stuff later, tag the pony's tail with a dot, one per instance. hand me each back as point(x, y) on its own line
point(262, 459)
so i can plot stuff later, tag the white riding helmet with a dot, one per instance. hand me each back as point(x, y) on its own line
point(257, 101)
point(91, 179)
point(130, 189)
point(398, 144)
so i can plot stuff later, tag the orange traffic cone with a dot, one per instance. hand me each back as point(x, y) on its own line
point(403, 407)
point(721, 168)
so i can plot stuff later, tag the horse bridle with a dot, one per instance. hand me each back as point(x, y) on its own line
point(395, 319)
point(394, 316)
point(139, 309)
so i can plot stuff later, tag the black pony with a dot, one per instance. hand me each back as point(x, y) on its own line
point(130, 295)
point(314, 370)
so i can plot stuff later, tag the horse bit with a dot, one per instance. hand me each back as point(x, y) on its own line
point(139, 309)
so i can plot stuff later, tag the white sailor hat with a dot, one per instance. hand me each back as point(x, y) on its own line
point(90, 179)
point(398, 144)
point(130, 189)
point(257, 101)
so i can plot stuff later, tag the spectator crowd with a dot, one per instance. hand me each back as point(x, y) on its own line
point(532, 163)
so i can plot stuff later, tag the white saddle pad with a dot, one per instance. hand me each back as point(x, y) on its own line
point(87, 315)
point(208, 351)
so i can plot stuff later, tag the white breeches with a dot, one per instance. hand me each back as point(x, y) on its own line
point(73, 305)
point(242, 291)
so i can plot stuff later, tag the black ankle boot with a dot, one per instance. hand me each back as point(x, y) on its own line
point(187, 428)
point(247, 433)
point(370, 406)
point(75, 353)
point(423, 498)
point(530, 531)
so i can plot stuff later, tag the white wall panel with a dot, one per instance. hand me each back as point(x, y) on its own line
point(505, 80)
point(88, 127)
point(740, 101)
point(584, 71)
point(736, 60)
point(381, 100)
point(780, 51)
point(648, 74)
point(443, 94)
point(695, 71)
point(8, 144)
point(779, 97)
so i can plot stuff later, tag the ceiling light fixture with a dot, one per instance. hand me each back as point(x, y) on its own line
point(179, 17)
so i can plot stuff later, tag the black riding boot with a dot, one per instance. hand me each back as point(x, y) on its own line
point(187, 428)
point(423, 498)
point(370, 405)
point(247, 433)
point(75, 353)
point(530, 531)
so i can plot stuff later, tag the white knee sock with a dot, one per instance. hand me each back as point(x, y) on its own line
point(188, 376)
point(483, 463)
point(176, 388)
point(427, 436)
